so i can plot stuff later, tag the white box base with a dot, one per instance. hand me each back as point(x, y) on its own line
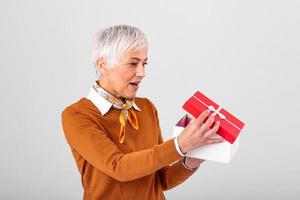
point(222, 152)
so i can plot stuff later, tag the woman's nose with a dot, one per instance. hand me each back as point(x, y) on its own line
point(140, 71)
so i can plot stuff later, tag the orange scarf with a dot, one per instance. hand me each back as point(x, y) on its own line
point(127, 112)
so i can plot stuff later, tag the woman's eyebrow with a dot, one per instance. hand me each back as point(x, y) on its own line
point(135, 58)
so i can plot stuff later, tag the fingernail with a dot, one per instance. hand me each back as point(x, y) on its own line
point(207, 112)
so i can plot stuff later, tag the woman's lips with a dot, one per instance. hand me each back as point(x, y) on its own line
point(135, 84)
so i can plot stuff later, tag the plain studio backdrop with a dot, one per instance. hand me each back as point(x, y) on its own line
point(243, 54)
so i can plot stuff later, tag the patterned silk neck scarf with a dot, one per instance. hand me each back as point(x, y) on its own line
point(127, 112)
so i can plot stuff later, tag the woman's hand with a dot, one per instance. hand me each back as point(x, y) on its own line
point(192, 163)
point(197, 133)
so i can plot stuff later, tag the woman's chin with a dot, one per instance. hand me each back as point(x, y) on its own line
point(130, 95)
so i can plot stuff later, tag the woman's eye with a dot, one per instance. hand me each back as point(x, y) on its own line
point(135, 64)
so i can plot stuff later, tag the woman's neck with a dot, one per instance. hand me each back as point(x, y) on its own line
point(107, 89)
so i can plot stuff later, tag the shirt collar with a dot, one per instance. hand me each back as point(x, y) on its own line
point(101, 103)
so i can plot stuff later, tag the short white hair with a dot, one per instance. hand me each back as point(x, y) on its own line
point(112, 42)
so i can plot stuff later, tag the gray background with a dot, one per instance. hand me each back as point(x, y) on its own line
point(242, 54)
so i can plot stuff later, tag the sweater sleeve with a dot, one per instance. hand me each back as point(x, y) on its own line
point(175, 173)
point(85, 136)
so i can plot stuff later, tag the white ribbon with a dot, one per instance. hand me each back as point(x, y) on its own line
point(216, 111)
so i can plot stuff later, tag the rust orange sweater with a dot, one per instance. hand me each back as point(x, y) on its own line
point(141, 168)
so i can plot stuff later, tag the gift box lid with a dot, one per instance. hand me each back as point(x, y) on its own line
point(230, 126)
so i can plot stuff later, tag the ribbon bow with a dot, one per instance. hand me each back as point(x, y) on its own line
point(216, 111)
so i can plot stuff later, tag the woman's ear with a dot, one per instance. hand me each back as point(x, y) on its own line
point(102, 66)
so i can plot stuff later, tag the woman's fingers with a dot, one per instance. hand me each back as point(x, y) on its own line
point(198, 132)
point(205, 126)
point(200, 119)
point(214, 140)
point(213, 130)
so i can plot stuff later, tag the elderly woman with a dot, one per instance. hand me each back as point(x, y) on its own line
point(115, 136)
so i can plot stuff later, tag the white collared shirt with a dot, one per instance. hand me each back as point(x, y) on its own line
point(101, 103)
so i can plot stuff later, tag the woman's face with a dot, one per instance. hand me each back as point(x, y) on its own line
point(124, 78)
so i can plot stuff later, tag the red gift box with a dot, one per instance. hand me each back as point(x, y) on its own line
point(230, 126)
